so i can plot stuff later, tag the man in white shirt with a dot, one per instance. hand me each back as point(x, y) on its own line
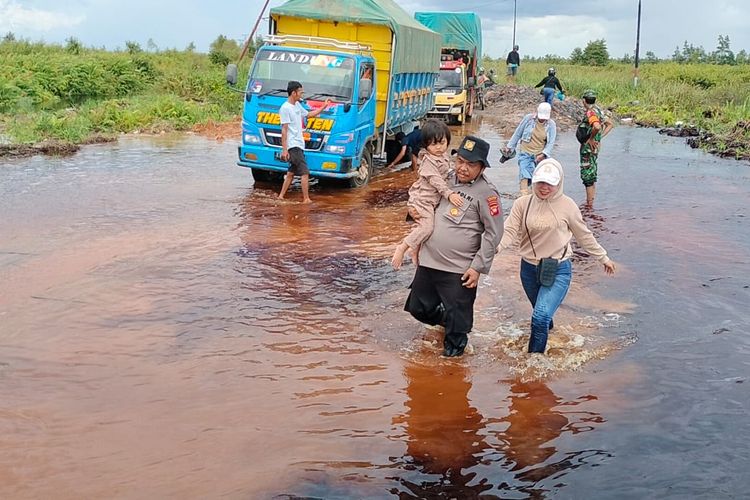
point(293, 120)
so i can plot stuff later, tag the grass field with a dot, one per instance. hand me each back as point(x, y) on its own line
point(48, 92)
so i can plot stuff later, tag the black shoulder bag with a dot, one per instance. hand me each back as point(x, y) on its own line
point(546, 270)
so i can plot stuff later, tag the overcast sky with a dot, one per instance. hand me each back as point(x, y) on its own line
point(542, 26)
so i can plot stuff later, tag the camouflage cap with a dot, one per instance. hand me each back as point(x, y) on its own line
point(589, 94)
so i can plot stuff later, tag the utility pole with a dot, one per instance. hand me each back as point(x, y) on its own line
point(252, 33)
point(514, 22)
point(637, 45)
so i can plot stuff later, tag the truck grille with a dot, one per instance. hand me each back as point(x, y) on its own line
point(273, 138)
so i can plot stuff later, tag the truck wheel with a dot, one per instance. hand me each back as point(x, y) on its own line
point(365, 170)
point(261, 175)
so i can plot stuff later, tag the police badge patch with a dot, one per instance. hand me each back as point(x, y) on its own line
point(494, 205)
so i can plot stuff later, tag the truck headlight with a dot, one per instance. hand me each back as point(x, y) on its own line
point(251, 139)
point(339, 150)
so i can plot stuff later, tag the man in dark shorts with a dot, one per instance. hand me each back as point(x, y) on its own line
point(410, 143)
point(293, 120)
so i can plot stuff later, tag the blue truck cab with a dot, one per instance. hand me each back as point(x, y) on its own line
point(336, 140)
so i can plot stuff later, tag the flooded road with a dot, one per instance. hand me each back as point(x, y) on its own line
point(170, 330)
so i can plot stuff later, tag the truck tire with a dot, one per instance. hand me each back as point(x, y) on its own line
point(266, 176)
point(365, 170)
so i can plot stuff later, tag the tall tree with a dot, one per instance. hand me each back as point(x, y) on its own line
point(596, 53)
point(723, 54)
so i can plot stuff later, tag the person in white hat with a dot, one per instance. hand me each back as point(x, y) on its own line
point(543, 224)
point(534, 137)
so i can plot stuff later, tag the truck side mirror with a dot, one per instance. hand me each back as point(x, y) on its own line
point(365, 89)
point(231, 74)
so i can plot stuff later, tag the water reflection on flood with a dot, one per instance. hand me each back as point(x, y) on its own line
point(452, 443)
point(169, 329)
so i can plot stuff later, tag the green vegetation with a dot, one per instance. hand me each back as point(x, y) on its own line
point(710, 91)
point(71, 93)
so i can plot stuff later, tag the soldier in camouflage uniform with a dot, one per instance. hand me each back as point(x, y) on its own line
point(601, 125)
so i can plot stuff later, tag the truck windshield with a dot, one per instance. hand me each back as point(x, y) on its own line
point(322, 74)
point(448, 79)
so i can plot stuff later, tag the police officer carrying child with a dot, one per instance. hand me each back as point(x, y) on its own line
point(461, 247)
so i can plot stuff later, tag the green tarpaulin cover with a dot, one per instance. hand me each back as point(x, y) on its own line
point(417, 47)
point(460, 30)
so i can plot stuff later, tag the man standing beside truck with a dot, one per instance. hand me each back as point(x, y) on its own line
point(293, 120)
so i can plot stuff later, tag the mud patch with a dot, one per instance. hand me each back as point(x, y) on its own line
point(49, 148)
point(220, 131)
point(734, 144)
point(388, 196)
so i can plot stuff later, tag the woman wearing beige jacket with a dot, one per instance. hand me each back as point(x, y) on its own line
point(543, 224)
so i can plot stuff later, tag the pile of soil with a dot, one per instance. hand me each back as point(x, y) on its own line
point(505, 106)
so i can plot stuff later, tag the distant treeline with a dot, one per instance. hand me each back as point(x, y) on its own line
point(596, 54)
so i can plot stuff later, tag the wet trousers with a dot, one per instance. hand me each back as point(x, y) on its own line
point(439, 298)
point(526, 166)
point(589, 169)
point(544, 299)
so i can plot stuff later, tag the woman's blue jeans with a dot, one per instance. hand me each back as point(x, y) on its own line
point(526, 166)
point(544, 299)
point(549, 94)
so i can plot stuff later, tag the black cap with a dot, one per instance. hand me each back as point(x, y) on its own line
point(473, 148)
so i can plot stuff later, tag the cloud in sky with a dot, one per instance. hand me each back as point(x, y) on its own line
point(542, 27)
point(17, 18)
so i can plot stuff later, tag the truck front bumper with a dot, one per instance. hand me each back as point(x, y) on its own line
point(319, 163)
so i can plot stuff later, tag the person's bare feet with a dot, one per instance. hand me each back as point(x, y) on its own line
point(279, 197)
point(307, 200)
point(398, 255)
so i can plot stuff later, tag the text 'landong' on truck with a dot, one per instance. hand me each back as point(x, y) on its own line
point(376, 64)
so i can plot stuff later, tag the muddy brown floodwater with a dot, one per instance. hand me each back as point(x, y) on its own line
point(170, 330)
